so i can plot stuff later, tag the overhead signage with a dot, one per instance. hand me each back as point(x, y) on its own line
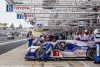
point(18, 8)
point(40, 25)
point(81, 23)
point(19, 16)
point(28, 16)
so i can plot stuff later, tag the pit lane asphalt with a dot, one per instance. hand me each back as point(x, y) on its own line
point(12, 45)
point(16, 38)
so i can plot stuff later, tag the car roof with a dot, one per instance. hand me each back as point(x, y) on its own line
point(58, 41)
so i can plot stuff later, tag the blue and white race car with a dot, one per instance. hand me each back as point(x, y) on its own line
point(72, 48)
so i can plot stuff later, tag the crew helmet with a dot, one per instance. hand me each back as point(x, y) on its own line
point(97, 31)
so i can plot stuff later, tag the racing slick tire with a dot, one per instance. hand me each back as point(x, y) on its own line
point(90, 53)
point(38, 52)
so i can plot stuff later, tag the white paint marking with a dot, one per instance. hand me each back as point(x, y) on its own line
point(12, 41)
point(84, 64)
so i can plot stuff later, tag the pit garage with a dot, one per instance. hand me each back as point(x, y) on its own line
point(55, 16)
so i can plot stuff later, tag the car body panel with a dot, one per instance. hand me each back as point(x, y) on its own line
point(33, 48)
point(74, 48)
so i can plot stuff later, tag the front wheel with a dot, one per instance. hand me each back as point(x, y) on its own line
point(91, 52)
point(39, 52)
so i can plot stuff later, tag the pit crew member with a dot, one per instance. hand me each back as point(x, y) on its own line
point(30, 38)
point(77, 37)
point(86, 35)
point(47, 52)
point(91, 36)
point(97, 40)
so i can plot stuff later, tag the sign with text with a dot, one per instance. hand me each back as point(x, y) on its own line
point(79, 53)
point(81, 23)
point(29, 16)
point(18, 8)
point(19, 16)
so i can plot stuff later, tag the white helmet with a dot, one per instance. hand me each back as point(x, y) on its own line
point(96, 31)
point(86, 31)
point(42, 38)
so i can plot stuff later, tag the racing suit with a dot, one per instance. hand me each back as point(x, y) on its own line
point(97, 56)
point(47, 52)
point(86, 37)
point(77, 37)
point(30, 39)
point(36, 41)
point(91, 36)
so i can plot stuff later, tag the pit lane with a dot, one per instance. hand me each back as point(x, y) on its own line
point(9, 45)
point(15, 58)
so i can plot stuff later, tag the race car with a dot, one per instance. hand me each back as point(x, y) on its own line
point(72, 48)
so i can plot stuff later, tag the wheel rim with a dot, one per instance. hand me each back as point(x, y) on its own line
point(39, 52)
point(91, 53)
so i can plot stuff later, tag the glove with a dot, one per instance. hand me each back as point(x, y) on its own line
point(44, 53)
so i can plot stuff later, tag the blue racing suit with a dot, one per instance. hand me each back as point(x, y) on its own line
point(30, 39)
point(97, 56)
point(47, 51)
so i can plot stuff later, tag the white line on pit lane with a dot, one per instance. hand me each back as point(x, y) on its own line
point(84, 64)
point(12, 41)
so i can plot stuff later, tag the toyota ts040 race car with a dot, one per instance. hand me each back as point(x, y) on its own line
point(72, 48)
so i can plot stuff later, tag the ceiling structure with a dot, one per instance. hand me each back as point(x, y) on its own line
point(60, 12)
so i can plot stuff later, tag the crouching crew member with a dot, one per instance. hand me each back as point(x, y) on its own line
point(47, 52)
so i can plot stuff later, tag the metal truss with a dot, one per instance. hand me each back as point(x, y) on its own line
point(66, 13)
point(63, 11)
point(65, 19)
point(35, 3)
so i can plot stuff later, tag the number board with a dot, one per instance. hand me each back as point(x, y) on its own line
point(19, 16)
point(9, 8)
point(55, 53)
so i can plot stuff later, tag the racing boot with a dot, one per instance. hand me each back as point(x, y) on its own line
point(39, 60)
point(99, 59)
point(96, 60)
point(45, 59)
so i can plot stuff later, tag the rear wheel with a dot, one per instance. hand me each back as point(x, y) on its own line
point(91, 53)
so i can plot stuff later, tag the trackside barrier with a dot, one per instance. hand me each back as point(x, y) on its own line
point(10, 38)
point(6, 38)
point(3, 38)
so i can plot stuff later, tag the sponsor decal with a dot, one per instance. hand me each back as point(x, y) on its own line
point(75, 43)
point(90, 43)
point(55, 53)
point(21, 7)
point(79, 53)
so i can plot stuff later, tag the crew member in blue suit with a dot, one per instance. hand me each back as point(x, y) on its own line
point(97, 40)
point(30, 38)
point(47, 52)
